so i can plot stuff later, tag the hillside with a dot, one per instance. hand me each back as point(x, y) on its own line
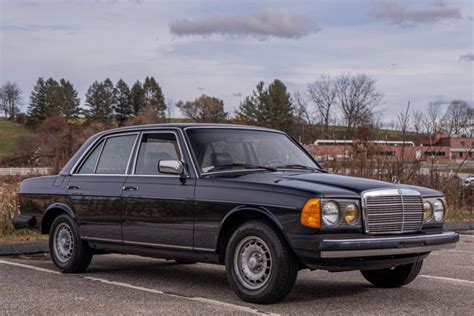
point(8, 133)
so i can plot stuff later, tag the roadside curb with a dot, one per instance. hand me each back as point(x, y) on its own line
point(23, 248)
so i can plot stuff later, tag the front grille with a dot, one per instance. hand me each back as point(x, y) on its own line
point(393, 213)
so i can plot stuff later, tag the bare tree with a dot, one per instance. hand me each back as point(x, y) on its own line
point(323, 94)
point(432, 119)
point(10, 99)
point(457, 116)
point(417, 121)
point(357, 97)
point(170, 105)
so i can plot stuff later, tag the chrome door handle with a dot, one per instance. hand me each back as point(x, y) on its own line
point(130, 188)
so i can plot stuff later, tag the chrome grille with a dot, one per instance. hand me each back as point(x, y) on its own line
point(393, 211)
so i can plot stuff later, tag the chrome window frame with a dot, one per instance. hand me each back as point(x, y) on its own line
point(137, 152)
point(91, 148)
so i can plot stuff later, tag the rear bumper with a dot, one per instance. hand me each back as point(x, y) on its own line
point(24, 222)
point(360, 251)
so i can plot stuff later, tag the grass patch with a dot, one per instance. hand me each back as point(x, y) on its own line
point(8, 132)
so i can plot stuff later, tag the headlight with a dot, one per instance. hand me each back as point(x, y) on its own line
point(438, 211)
point(351, 214)
point(331, 214)
point(427, 211)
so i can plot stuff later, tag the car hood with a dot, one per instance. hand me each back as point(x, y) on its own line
point(327, 185)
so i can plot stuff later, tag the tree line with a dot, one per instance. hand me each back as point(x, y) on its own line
point(348, 100)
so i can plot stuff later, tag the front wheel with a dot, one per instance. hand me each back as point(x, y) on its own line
point(260, 266)
point(69, 253)
point(393, 277)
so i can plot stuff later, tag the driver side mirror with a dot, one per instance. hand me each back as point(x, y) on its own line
point(171, 167)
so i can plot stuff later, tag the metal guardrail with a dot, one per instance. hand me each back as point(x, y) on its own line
point(25, 171)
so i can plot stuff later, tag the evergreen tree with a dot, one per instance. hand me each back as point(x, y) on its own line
point(53, 97)
point(154, 96)
point(137, 98)
point(123, 105)
point(37, 109)
point(270, 107)
point(69, 106)
point(100, 99)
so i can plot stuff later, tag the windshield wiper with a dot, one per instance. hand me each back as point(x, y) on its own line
point(239, 165)
point(296, 166)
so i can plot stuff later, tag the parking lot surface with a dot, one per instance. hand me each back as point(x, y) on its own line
point(123, 284)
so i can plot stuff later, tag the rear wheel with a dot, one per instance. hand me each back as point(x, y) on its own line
point(69, 253)
point(259, 264)
point(393, 277)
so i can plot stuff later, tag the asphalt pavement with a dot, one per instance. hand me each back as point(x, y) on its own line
point(132, 285)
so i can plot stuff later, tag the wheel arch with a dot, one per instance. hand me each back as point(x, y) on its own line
point(237, 217)
point(53, 211)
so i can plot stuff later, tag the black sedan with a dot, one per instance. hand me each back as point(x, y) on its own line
point(247, 197)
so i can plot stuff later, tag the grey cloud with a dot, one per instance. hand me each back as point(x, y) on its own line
point(467, 57)
point(261, 24)
point(237, 94)
point(401, 15)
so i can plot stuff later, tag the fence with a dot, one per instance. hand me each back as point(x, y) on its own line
point(24, 171)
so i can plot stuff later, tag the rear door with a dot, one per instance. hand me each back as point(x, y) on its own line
point(95, 187)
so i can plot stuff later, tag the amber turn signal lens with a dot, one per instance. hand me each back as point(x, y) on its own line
point(311, 213)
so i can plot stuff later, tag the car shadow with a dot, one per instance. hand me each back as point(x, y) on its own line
point(210, 280)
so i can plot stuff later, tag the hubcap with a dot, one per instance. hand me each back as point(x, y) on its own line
point(63, 242)
point(252, 262)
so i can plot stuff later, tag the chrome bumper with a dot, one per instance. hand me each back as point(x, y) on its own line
point(386, 246)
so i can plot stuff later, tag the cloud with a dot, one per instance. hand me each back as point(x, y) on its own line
point(467, 57)
point(261, 24)
point(401, 15)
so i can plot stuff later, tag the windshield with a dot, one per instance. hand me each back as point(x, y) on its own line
point(219, 149)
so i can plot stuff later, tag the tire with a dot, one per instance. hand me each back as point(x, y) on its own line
point(68, 252)
point(260, 266)
point(393, 277)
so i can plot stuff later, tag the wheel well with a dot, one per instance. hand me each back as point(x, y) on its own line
point(234, 221)
point(49, 218)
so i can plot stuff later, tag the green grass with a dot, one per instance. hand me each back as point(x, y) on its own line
point(8, 133)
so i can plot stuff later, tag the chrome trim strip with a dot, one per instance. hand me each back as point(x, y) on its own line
point(125, 242)
point(116, 241)
point(136, 243)
point(383, 252)
point(401, 237)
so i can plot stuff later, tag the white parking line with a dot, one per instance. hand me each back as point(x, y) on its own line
point(447, 279)
point(469, 236)
point(149, 290)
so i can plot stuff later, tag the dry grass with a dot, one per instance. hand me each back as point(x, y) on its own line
point(8, 204)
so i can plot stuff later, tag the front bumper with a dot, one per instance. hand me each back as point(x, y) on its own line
point(359, 251)
point(387, 246)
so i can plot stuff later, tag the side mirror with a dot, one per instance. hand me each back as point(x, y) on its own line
point(171, 167)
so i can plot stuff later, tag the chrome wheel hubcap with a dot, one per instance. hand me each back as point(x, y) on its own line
point(63, 242)
point(253, 262)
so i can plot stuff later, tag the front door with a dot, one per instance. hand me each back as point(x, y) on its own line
point(158, 208)
point(95, 188)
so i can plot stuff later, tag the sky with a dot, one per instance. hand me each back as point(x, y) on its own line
point(418, 51)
